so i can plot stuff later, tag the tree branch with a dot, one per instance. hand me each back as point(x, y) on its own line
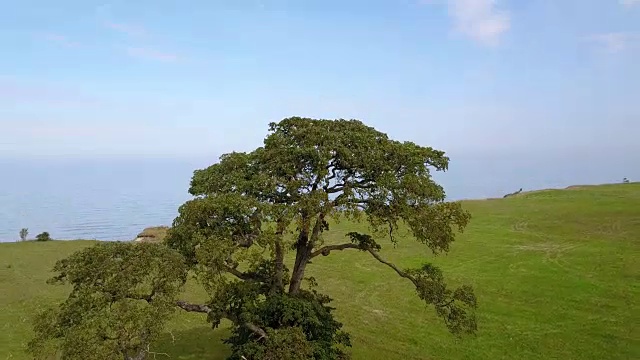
point(193, 307)
point(256, 330)
point(205, 309)
point(324, 251)
point(358, 184)
point(317, 229)
point(239, 274)
point(395, 268)
point(147, 298)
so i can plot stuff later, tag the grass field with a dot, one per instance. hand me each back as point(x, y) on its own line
point(557, 274)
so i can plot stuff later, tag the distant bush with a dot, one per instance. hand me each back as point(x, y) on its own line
point(625, 181)
point(24, 232)
point(43, 237)
point(513, 193)
point(153, 234)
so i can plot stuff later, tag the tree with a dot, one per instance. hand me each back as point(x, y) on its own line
point(250, 209)
point(24, 232)
point(44, 236)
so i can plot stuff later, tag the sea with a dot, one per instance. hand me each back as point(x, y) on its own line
point(115, 199)
point(102, 199)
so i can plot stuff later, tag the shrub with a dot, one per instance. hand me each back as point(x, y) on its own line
point(43, 237)
point(513, 193)
point(24, 232)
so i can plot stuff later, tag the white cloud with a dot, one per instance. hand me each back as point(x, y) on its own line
point(616, 42)
point(481, 20)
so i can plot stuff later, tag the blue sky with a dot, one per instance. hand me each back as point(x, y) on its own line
point(80, 78)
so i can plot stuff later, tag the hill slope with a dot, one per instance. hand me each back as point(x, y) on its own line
point(556, 272)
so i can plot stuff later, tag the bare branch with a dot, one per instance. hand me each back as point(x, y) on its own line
point(193, 307)
point(334, 174)
point(205, 309)
point(147, 298)
point(360, 184)
point(257, 330)
point(239, 274)
point(317, 229)
point(324, 251)
point(395, 268)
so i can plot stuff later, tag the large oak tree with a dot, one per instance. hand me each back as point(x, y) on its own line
point(248, 211)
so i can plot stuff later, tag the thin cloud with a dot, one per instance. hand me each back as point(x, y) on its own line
point(131, 30)
point(481, 20)
point(147, 53)
point(138, 49)
point(630, 3)
point(19, 92)
point(60, 39)
point(615, 42)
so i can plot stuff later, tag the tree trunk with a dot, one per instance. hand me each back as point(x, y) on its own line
point(303, 253)
point(302, 258)
point(279, 286)
point(298, 275)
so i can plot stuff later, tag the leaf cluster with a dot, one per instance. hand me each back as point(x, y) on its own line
point(289, 316)
point(122, 293)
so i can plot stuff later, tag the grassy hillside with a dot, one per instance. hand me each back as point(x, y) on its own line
point(557, 276)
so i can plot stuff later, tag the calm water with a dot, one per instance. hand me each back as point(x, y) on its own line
point(116, 199)
point(104, 200)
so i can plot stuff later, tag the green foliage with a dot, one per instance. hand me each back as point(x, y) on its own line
point(44, 236)
point(122, 294)
point(287, 343)
point(247, 206)
point(24, 232)
point(289, 316)
point(364, 241)
point(453, 306)
point(248, 211)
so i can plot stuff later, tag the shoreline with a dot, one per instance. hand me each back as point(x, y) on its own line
point(157, 232)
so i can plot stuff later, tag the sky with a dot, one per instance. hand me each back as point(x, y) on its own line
point(160, 78)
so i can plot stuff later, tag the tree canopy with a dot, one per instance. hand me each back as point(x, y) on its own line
point(248, 211)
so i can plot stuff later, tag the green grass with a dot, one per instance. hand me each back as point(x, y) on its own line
point(557, 274)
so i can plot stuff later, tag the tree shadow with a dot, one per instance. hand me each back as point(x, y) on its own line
point(196, 343)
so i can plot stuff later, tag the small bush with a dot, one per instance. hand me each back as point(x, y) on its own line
point(153, 234)
point(43, 237)
point(24, 232)
point(513, 193)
